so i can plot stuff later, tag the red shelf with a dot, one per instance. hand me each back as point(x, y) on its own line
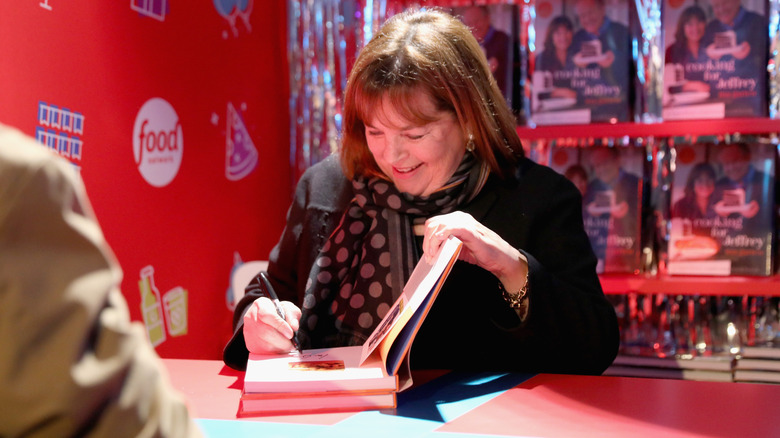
point(688, 285)
point(666, 284)
point(665, 129)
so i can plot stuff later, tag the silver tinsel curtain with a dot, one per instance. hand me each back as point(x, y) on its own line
point(324, 37)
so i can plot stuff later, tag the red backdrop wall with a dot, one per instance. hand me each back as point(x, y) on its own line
point(176, 115)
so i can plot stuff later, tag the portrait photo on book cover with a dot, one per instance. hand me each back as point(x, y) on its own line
point(722, 216)
point(610, 180)
point(495, 26)
point(715, 60)
point(580, 62)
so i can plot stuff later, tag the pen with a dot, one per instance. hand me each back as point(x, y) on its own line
point(278, 305)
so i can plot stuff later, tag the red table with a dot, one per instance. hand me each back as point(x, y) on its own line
point(545, 405)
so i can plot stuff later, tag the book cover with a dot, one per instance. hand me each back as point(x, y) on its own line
point(567, 160)
point(580, 62)
point(612, 204)
point(495, 26)
point(722, 218)
point(392, 339)
point(375, 366)
point(715, 61)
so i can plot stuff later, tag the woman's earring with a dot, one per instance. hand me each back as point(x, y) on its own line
point(470, 144)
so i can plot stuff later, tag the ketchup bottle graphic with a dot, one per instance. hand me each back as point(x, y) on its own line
point(151, 306)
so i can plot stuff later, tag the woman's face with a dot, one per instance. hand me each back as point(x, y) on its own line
point(703, 186)
point(561, 38)
point(418, 159)
point(694, 29)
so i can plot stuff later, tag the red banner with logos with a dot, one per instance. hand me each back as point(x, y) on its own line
point(176, 115)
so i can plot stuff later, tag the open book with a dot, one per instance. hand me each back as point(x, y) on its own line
point(352, 377)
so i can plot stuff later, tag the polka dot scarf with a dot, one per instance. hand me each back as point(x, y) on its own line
point(363, 266)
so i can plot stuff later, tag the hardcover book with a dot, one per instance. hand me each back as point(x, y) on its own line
point(715, 62)
point(495, 26)
point(722, 210)
point(333, 369)
point(756, 376)
point(610, 180)
point(769, 351)
point(670, 373)
point(581, 63)
point(354, 377)
point(759, 364)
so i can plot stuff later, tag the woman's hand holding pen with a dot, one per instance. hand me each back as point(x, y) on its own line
point(265, 331)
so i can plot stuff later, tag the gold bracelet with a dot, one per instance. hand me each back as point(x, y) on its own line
point(516, 300)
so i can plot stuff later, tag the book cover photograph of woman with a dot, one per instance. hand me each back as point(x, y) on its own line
point(581, 62)
point(715, 59)
point(720, 221)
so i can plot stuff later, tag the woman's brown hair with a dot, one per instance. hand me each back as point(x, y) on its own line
point(427, 51)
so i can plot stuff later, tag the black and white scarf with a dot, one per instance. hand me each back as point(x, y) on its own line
point(362, 268)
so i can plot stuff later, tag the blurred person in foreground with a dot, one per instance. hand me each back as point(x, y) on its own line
point(72, 363)
point(430, 149)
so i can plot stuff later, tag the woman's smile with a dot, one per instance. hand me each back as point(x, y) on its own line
point(418, 159)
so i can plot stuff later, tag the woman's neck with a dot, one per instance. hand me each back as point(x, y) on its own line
point(693, 47)
point(561, 55)
point(702, 203)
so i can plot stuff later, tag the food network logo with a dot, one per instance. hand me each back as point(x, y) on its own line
point(157, 142)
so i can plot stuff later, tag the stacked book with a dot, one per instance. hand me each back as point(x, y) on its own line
point(312, 381)
point(611, 182)
point(722, 221)
point(717, 368)
point(758, 364)
point(353, 378)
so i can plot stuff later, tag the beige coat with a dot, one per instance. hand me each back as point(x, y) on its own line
point(71, 362)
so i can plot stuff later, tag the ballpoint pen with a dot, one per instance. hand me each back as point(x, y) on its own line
point(278, 305)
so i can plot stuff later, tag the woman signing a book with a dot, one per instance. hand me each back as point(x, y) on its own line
point(429, 149)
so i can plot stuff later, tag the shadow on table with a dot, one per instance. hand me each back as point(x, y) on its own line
point(424, 401)
point(238, 383)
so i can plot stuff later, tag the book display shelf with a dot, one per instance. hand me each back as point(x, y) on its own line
point(668, 284)
point(690, 285)
point(694, 128)
point(656, 361)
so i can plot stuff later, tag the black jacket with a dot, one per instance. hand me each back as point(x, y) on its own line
point(571, 327)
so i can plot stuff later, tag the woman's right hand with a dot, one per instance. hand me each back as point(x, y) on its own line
point(265, 332)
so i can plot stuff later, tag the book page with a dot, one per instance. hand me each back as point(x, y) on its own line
point(326, 369)
point(425, 278)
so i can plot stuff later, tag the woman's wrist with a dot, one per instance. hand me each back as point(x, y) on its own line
point(514, 287)
point(515, 276)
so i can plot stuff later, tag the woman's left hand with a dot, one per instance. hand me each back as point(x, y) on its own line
point(481, 247)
